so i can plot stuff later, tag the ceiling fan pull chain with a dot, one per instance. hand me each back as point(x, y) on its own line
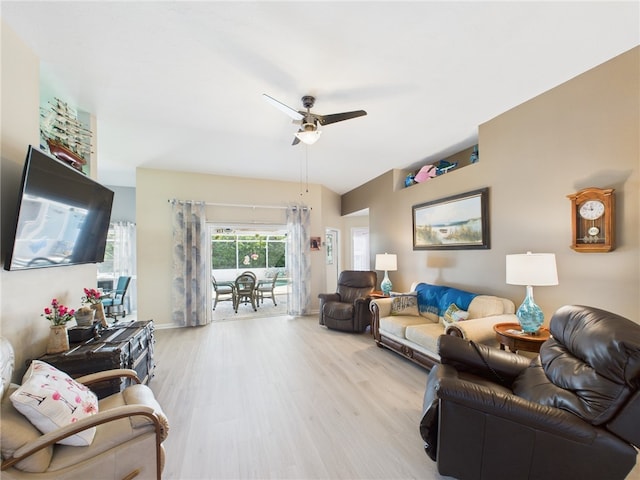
point(307, 169)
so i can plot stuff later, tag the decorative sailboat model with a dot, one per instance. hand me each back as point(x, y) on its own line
point(66, 137)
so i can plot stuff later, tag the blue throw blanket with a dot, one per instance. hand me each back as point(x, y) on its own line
point(437, 298)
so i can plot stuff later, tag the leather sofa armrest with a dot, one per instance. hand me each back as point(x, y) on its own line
point(324, 298)
point(362, 313)
point(625, 424)
point(463, 356)
point(480, 330)
point(329, 297)
point(487, 400)
point(108, 375)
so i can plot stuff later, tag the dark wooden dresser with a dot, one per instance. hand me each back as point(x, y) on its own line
point(122, 345)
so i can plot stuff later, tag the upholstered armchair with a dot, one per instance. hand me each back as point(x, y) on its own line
point(348, 308)
point(114, 303)
point(570, 413)
point(117, 437)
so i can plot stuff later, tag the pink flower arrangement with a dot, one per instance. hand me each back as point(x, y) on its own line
point(58, 314)
point(91, 295)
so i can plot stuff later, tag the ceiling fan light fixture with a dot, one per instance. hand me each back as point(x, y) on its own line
point(309, 122)
point(308, 137)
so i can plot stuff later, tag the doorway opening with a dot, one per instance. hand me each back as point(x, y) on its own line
point(259, 249)
point(360, 259)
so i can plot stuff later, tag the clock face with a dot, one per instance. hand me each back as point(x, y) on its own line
point(592, 209)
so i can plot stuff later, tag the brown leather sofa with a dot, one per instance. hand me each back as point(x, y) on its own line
point(573, 412)
point(348, 308)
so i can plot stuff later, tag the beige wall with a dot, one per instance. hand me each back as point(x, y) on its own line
point(155, 187)
point(24, 294)
point(582, 133)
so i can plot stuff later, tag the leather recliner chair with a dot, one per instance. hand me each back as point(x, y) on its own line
point(348, 308)
point(572, 412)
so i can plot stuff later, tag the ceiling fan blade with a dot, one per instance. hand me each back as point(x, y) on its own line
point(281, 106)
point(296, 141)
point(339, 117)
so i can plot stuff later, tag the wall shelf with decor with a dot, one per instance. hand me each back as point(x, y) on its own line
point(66, 133)
point(427, 171)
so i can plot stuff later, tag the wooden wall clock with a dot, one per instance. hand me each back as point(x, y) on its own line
point(592, 220)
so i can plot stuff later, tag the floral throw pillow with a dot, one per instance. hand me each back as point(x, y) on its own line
point(455, 314)
point(404, 304)
point(51, 399)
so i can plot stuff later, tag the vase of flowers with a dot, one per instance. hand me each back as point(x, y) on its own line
point(94, 298)
point(58, 315)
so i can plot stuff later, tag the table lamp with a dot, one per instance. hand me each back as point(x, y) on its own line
point(389, 263)
point(531, 269)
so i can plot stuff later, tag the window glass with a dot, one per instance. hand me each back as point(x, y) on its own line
point(223, 251)
point(105, 269)
point(248, 250)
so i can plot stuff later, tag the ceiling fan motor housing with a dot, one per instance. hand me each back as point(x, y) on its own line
point(308, 101)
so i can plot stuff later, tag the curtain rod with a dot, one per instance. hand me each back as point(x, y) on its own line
point(239, 205)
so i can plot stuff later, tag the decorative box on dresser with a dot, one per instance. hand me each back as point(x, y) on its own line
point(122, 345)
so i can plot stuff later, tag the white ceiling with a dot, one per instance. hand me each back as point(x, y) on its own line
point(178, 85)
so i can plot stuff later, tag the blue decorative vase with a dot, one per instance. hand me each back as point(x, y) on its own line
point(529, 314)
point(385, 285)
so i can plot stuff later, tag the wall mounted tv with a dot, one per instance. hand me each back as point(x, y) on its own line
point(62, 216)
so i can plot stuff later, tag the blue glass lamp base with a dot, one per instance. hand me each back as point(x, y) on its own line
point(529, 314)
point(385, 285)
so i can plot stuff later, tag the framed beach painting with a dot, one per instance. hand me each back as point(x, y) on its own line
point(456, 222)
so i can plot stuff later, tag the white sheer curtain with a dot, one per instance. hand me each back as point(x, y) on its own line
point(298, 260)
point(191, 291)
point(124, 260)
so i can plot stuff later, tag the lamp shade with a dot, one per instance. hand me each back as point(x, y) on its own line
point(387, 262)
point(535, 269)
point(309, 136)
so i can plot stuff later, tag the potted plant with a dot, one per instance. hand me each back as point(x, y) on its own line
point(93, 297)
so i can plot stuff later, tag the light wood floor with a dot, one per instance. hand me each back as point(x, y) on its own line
point(284, 398)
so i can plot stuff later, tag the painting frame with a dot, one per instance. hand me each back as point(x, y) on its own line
point(457, 222)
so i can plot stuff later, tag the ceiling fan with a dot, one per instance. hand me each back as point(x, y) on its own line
point(309, 122)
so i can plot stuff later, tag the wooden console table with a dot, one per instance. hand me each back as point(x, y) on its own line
point(123, 345)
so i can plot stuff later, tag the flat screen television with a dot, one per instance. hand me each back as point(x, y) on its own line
point(62, 216)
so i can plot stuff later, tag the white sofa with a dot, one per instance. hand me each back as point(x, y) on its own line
point(411, 323)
